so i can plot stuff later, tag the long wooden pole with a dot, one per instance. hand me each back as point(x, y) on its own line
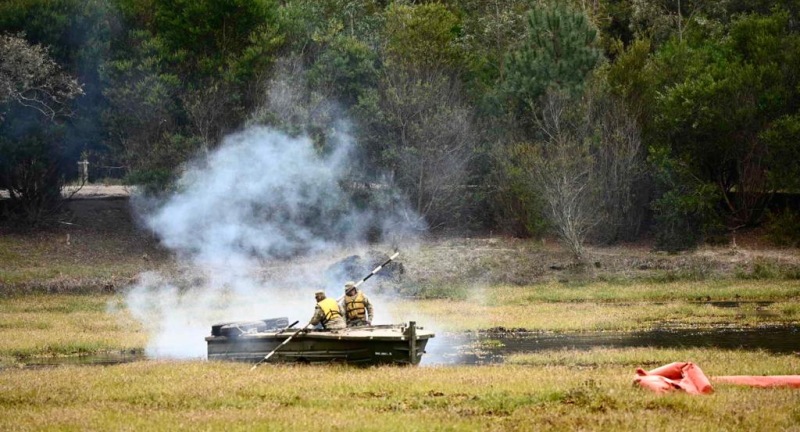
point(279, 347)
point(377, 269)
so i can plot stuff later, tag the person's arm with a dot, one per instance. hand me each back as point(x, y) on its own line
point(368, 305)
point(318, 316)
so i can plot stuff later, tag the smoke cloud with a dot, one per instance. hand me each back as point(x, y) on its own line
point(254, 225)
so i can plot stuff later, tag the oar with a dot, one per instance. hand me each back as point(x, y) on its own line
point(288, 327)
point(377, 269)
point(279, 346)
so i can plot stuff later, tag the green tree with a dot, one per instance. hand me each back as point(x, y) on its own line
point(428, 139)
point(309, 25)
point(489, 30)
point(346, 70)
point(782, 139)
point(329, 64)
point(145, 112)
point(77, 33)
point(685, 206)
point(718, 96)
point(32, 168)
point(557, 55)
point(426, 123)
point(560, 51)
point(183, 78)
point(208, 38)
point(660, 20)
point(633, 78)
point(424, 37)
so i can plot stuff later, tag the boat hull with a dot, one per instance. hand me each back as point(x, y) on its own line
point(374, 345)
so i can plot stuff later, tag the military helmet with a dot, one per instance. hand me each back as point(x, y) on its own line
point(319, 293)
point(348, 285)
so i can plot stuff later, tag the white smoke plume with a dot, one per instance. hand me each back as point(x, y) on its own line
point(254, 226)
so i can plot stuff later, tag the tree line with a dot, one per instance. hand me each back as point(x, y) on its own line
point(601, 121)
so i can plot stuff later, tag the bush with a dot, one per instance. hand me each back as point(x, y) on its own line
point(683, 220)
point(783, 228)
point(519, 208)
point(764, 270)
point(685, 213)
point(32, 171)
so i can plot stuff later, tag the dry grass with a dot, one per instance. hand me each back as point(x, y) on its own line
point(714, 362)
point(57, 325)
point(557, 393)
point(604, 306)
point(460, 316)
point(500, 260)
point(100, 249)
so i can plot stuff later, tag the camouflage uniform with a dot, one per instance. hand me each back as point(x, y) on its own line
point(357, 308)
point(333, 323)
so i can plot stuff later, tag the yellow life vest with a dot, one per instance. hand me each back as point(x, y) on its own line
point(330, 309)
point(354, 307)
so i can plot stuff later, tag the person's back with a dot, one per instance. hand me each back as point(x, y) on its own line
point(327, 313)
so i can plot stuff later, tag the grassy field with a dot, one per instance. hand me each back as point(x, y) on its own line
point(553, 391)
point(99, 249)
point(64, 325)
point(62, 295)
point(610, 306)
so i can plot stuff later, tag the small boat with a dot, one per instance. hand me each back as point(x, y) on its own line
point(251, 341)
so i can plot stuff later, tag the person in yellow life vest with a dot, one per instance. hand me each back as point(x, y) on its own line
point(357, 307)
point(327, 313)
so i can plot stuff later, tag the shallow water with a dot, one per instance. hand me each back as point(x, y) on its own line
point(480, 348)
point(83, 360)
point(493, 347)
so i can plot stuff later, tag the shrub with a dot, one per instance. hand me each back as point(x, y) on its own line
point(685, 213)
point(783, 228)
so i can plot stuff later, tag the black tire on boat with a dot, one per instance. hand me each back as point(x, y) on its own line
point(276, 323)
point(216, 329)
point(236, 328)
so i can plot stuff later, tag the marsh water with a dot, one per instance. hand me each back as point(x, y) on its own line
point(495, 346)
point(84, 360)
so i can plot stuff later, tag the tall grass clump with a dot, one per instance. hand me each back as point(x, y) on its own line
point(763, 269)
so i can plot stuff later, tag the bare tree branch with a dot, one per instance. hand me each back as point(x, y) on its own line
point(584, 166)
point(29, 77)
point(436, 139)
